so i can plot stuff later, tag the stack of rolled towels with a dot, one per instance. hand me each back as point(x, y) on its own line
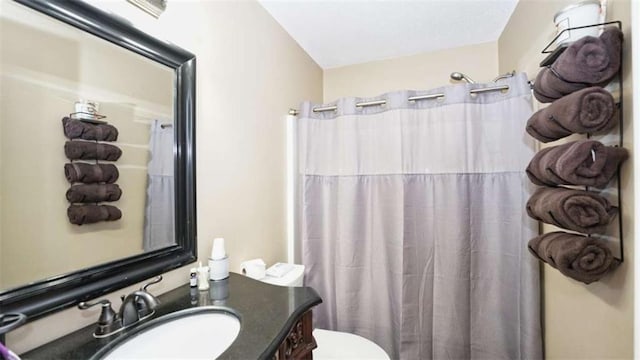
point(579, 105)
point(91, 183)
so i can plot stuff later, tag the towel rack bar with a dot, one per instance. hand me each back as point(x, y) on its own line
point(553, 41)
point(371, 103)
point(426, 97)
point(412, 98)
point(491, 88)
point(360, 104)
point(325, 108)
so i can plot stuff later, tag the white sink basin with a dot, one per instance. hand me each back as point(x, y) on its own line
point(189, 334)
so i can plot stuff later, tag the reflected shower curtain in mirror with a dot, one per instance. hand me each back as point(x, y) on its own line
point(159, 214)
point(412, 226)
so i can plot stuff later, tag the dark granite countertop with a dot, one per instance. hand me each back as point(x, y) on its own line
point(266, 313)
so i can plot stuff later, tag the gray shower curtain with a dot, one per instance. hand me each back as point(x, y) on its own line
point(412, 225)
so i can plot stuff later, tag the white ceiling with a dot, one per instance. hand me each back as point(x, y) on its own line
point(343, 32)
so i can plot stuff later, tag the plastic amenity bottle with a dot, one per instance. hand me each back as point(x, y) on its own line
point(203, 282)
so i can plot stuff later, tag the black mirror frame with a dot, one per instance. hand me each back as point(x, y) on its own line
point(59, 292)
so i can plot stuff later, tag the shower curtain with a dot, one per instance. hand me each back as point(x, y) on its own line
point(412, 226)
point(159, 213)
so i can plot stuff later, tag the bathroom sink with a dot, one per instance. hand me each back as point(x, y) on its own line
point(197, 333)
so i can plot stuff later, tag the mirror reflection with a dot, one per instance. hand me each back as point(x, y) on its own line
point(46, 67)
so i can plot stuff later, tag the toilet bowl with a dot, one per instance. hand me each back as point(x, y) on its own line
point(332, 344)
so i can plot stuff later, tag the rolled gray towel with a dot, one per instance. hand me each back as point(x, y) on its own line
point(91, 193)
point(91, 173)
point(577, 210)
point(579, 257)
point(76, 129)
point(588, 61)
point(89, 214)
point(588, 110)
point(548, 87)
point(591, 60)
point(573, 164)
point(87, 150)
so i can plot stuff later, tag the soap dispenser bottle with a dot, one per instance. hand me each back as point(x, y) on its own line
point(218, 262)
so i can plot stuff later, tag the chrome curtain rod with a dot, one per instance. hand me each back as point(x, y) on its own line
point(318, 109)
point(412, 98)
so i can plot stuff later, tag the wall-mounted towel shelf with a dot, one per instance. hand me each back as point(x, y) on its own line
point(88, 117)
point(613, 138)
point(553, 54)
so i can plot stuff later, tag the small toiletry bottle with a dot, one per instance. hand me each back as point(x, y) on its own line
point(193, 277)
point(203, 281)
point(218, 262)
point(193, 292)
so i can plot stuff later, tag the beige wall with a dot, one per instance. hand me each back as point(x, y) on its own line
point(249, 73)
point(60, 66)
point(581, 321)
point(417, 72)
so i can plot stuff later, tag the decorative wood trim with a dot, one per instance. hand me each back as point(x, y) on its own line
point(299, 343)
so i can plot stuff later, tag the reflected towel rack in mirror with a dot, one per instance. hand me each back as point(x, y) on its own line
point(48, 293)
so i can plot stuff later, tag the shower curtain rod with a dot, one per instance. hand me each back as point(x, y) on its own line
point(412, 98)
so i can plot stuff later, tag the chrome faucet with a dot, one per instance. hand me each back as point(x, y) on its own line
point(135, 307)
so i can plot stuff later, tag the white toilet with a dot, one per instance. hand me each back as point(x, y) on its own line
point(332, 344)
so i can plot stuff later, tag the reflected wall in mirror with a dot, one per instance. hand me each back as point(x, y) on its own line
point(54, 54)
point(45, 67)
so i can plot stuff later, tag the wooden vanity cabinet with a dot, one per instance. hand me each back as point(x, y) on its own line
point(299, 342)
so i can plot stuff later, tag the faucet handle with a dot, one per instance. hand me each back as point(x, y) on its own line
point(10, 321)
point(85, 305)
point(107, 315)
point(154, 281)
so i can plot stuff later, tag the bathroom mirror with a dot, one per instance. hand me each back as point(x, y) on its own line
point(66, 52)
